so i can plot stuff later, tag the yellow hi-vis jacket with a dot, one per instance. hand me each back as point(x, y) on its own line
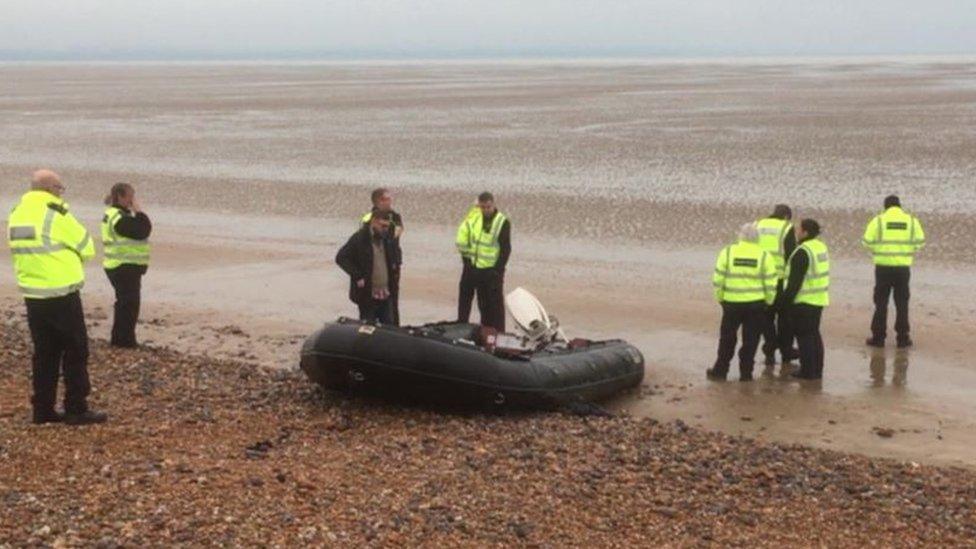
point(465, 237)
point(120, 250)
point(772, 239)
point(483, 245)
point(744, 273)
point(48, 246)
point(893, 237)
point(816, 281)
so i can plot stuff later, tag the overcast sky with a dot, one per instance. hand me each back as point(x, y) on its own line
point(436, 28)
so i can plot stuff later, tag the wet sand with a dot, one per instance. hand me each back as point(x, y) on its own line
point(622, 182)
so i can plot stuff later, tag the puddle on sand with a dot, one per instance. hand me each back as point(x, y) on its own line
point(927, 403)
point(680, 358)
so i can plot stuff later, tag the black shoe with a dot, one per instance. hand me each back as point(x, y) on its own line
point(745, 376)
point(716, 375)
point(905, 343)
point(802, 375)
point(770, 360)
point(47, 417)
point(87, 418)
point(871, 342)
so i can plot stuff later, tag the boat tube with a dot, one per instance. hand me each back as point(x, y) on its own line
point(465, 364)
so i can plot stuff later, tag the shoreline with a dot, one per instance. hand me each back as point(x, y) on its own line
point(277, 283)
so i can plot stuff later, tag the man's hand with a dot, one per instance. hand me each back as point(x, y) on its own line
point(361, 283)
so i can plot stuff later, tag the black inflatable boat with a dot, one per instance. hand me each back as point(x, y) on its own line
point(446, 363)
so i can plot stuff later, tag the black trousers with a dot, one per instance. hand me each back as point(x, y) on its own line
point(57, 328)
point(777, 333)
point(805, 320)
point(466, 289)
point(886, 281)
point(490, 290)
point(395, 306)
point(749, 316)
point(377, 310)
point(127, 281)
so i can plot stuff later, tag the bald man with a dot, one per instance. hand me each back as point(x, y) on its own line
point(49, 246)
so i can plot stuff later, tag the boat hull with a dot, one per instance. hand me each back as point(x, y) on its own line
point(437, 363)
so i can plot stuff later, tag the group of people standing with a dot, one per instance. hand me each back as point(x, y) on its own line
point(774, 284)
point(373, 259)
point(49, 247)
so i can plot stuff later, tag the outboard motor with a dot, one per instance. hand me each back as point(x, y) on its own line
point(539, 329)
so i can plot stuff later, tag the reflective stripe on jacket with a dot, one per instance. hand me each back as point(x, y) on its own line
point(120, 250)
point(893, 237)
point(465, 236)
point(744, 273)
point(48, 246)
point(816, 281)
point(772, 239)
point(484, 247)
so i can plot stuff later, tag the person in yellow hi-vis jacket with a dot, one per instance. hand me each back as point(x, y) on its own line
point(125, 237)
point(893, 237)
point(745, 284)
point(486, 237)
point(805, 296)
point(48, 246)
point(777, 238)
point(465, 246)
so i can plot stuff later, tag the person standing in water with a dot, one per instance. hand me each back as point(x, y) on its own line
point(744, 283)
point(778, 239)
point(806, 295)
point(893, 237)
point(125, 237)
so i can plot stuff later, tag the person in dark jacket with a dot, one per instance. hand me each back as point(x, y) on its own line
point(805, 295)
point(382, 201)
point(125, 237)
point(372, 263)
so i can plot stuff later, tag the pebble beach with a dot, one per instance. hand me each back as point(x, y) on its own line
point(214, 452)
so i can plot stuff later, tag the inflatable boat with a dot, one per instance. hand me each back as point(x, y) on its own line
point(470, 365)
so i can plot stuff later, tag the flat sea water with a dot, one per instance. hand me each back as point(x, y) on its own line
point(831, 133)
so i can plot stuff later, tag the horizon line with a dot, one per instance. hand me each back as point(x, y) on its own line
point(15, 56)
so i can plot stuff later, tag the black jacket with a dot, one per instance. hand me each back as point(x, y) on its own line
point(396, 221)
point(799, 264)
point(136, 226)
point(133, 225)
point(356, 258)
